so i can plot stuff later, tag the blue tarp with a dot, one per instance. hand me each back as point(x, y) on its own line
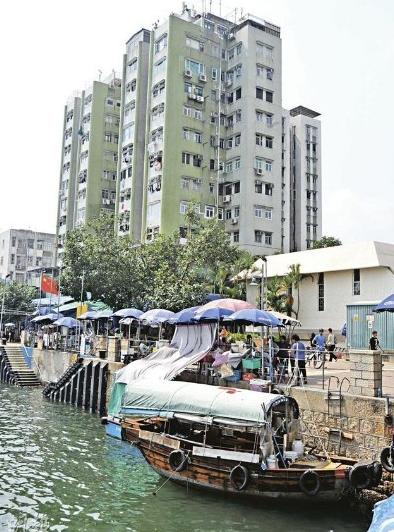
point(383, 516)
point(387, 305)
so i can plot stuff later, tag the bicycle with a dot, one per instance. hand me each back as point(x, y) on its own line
point(315, 357)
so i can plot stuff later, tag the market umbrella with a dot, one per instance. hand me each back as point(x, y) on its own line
point(89, 315)
point(103, 314)
point(9, 324)
point(128, 313)
point(156, 316)
point(227, 303)
point(183, 316)
point(255, 317)
point(52, 316)
point(211, 314)
point(71, 323)
point(386, 305)
point(286, 320)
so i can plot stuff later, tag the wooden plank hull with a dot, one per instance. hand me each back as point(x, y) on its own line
point(214, 473)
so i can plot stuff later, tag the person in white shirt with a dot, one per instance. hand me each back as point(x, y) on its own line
point(331, 341)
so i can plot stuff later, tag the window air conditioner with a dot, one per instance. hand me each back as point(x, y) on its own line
point(200, 99)
point(227, 198)
point(191, 96)
point(188, 74)
point(229, 82)
point(234, 221)
point(202, 77)
point(258, 171)
point(231, 36)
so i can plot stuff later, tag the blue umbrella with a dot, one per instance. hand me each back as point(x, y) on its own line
point(212, 314)
point(213, 297)
point(71, 323)
point(256, 317)
point(103, 314)
point(156, 316)
point(386, 305)
point(128, 313)
point(52, 316)
point(184, 316)
point(89, 315)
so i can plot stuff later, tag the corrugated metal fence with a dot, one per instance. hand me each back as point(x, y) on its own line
point(361, 321)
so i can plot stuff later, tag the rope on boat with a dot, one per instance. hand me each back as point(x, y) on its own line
point(171, 476)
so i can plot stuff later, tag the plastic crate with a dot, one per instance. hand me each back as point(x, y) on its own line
point(251, 363)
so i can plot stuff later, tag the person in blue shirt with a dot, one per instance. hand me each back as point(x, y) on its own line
point(297, 355)
point(319, 341)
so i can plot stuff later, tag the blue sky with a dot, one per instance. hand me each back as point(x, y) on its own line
point(338, 59)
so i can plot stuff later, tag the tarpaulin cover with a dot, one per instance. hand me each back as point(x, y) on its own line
point(383, 516)
point(115, 401)
point(167, 397)
point(189, 344)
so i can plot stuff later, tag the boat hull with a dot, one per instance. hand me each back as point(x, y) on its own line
point(214, 474)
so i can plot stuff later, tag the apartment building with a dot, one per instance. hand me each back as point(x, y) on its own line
point(88, 171)
point(23, 251)
point(203, 125)
point(305, 178)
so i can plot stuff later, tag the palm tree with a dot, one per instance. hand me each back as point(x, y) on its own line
point(276, 294)
point(292, 281)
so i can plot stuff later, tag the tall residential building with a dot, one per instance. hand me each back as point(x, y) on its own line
point(203, 124)
point(88, 170)
point(305, 178)
point(22, 252)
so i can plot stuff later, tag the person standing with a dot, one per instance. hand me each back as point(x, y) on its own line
point(319, 340)
point(374, 342)
point(298, 358)
point(331, 342)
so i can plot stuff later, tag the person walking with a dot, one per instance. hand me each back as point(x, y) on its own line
point(297, 354)
point(374, 342)
point(319, 340)
point(331, 342)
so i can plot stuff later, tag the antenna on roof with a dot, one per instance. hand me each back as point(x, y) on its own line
point(100, 72)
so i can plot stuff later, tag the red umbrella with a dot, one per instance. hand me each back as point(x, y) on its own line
point(229, 304)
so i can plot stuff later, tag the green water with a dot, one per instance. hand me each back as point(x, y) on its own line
point(58, 471)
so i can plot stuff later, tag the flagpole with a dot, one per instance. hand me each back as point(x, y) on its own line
point(58, 291)
point(39, 303)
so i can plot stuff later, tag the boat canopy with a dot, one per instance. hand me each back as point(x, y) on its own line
point(168, 398)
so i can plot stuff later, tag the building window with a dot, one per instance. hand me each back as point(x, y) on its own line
point(189, 158)
point(211, 188)
point(209, 211)
point(195, 44)
point(263, 94)
point(263, 212)
point(159, 88)
point(194, 136)
point(214, 73)
point(195, 67)
point(236, 236)
point(161, 43)
point(356, 282)
point(191, 112)
point(320, 284)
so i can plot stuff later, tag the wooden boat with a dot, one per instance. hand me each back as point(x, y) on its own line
point(233, 441)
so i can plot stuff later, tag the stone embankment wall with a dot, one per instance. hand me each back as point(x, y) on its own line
point(357, 431)
point(49, 365)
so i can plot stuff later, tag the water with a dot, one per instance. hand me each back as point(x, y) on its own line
point(58, 471)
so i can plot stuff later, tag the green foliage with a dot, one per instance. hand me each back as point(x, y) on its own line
point(162, 273)
point(17, 300)
point(327, 242)
point(277, 294)
point(292, 282)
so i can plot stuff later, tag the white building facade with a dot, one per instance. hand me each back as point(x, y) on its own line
point(23, 252)
point(331, 279)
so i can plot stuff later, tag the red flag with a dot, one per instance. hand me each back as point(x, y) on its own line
point(49, 285)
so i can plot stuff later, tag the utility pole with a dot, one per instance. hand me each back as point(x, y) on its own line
point(2, 304)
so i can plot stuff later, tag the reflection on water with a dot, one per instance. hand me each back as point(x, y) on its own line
point(58, 471)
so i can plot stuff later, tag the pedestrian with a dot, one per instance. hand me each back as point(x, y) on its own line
point(331, 342)
point(298, 358)
point(319, 340)
point(283, 355)
point(223, 334)
point(311, 338)
point(374, 342)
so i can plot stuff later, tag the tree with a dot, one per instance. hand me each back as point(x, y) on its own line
point(292, 281)
point(327, 242)
point(276, 294)
point(17, 301)
point(163, 273)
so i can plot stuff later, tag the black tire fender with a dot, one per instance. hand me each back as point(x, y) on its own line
point(376, 470)
point(239, 477)
point(178, 460)
point(309, 482)
point(360, 477)
point(386, 461)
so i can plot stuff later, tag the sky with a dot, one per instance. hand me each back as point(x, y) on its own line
point(338, 59)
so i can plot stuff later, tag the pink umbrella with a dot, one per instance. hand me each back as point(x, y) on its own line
point(229, 304)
